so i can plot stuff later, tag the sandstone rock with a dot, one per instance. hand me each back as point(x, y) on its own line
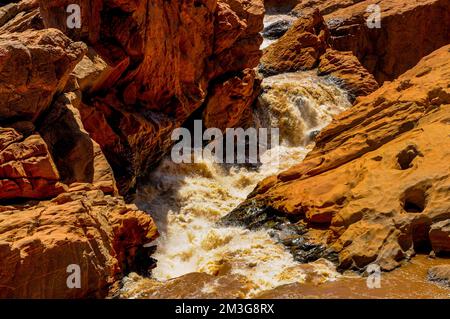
point(161, 59)
point(299, 48)
point(229, 103)
point(440, 237)
point(26, 167)
point(440, 274)
point(325, 6)
point(346, 184)
point(277, 6)
point(21, 16)
point(34, 65)
point(77, 156)
point(346, 69)
point(92, 72)
point(408, 32)
point(82, 227)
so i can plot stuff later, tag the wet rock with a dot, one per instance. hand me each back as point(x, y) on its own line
point(349, 73)
point(440, 274)
point(276, 29)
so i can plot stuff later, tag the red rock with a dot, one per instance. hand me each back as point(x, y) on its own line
point(157, 73)
point(26, 167)
point(34, 66)
point(229, 102)
point(440, 237)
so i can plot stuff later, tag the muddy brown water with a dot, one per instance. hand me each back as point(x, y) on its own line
point(407, 282)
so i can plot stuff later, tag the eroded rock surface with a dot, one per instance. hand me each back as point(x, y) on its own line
point(409, 30)
point(82, 227)
point(299, 48)
point(161, 58)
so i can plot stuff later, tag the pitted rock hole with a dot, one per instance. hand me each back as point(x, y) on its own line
point(406, 157)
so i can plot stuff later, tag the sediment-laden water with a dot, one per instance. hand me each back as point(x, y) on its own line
point(187, 200)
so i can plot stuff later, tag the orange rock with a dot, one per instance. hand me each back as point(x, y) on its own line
point(408, 32)
point(78, 158)
point(325, 6)
point(34, 66)
point(299, 48)
point(99, 233)
point(229, 102)
point(26, 167)
point(378, 176)
point(156, 74)
point(346, 69)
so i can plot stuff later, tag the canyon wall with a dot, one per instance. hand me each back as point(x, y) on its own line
point(85, 112)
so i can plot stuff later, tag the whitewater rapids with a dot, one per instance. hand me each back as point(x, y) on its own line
point(186, 200)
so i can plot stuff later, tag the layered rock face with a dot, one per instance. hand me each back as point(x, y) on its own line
point(86, 111)
point(408, 31)
point(161, 59)
point(376, 186)
point(405, 32)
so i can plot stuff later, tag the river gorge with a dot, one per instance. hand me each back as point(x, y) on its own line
point(357, 188)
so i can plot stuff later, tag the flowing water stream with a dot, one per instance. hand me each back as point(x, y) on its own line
point(198, 259)
point(187, 200)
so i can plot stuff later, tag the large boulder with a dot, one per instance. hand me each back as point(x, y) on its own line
point(34, 66)
point(82, 227)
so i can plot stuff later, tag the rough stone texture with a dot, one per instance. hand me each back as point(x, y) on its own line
point(440, 274)
point(379, 175)
point(38, 242)
point(26, 167)
point(299, 48)
point(229, 103)
point(20, 16)
point(277, 6)
point(77, 156)
point(349, 72)
point(91, 73)
point(409, 31)
point(440, 237)
point(325, 6)
point(162, 56)
point(34, 66)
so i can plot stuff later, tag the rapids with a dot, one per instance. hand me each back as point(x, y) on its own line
point(186, 200)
